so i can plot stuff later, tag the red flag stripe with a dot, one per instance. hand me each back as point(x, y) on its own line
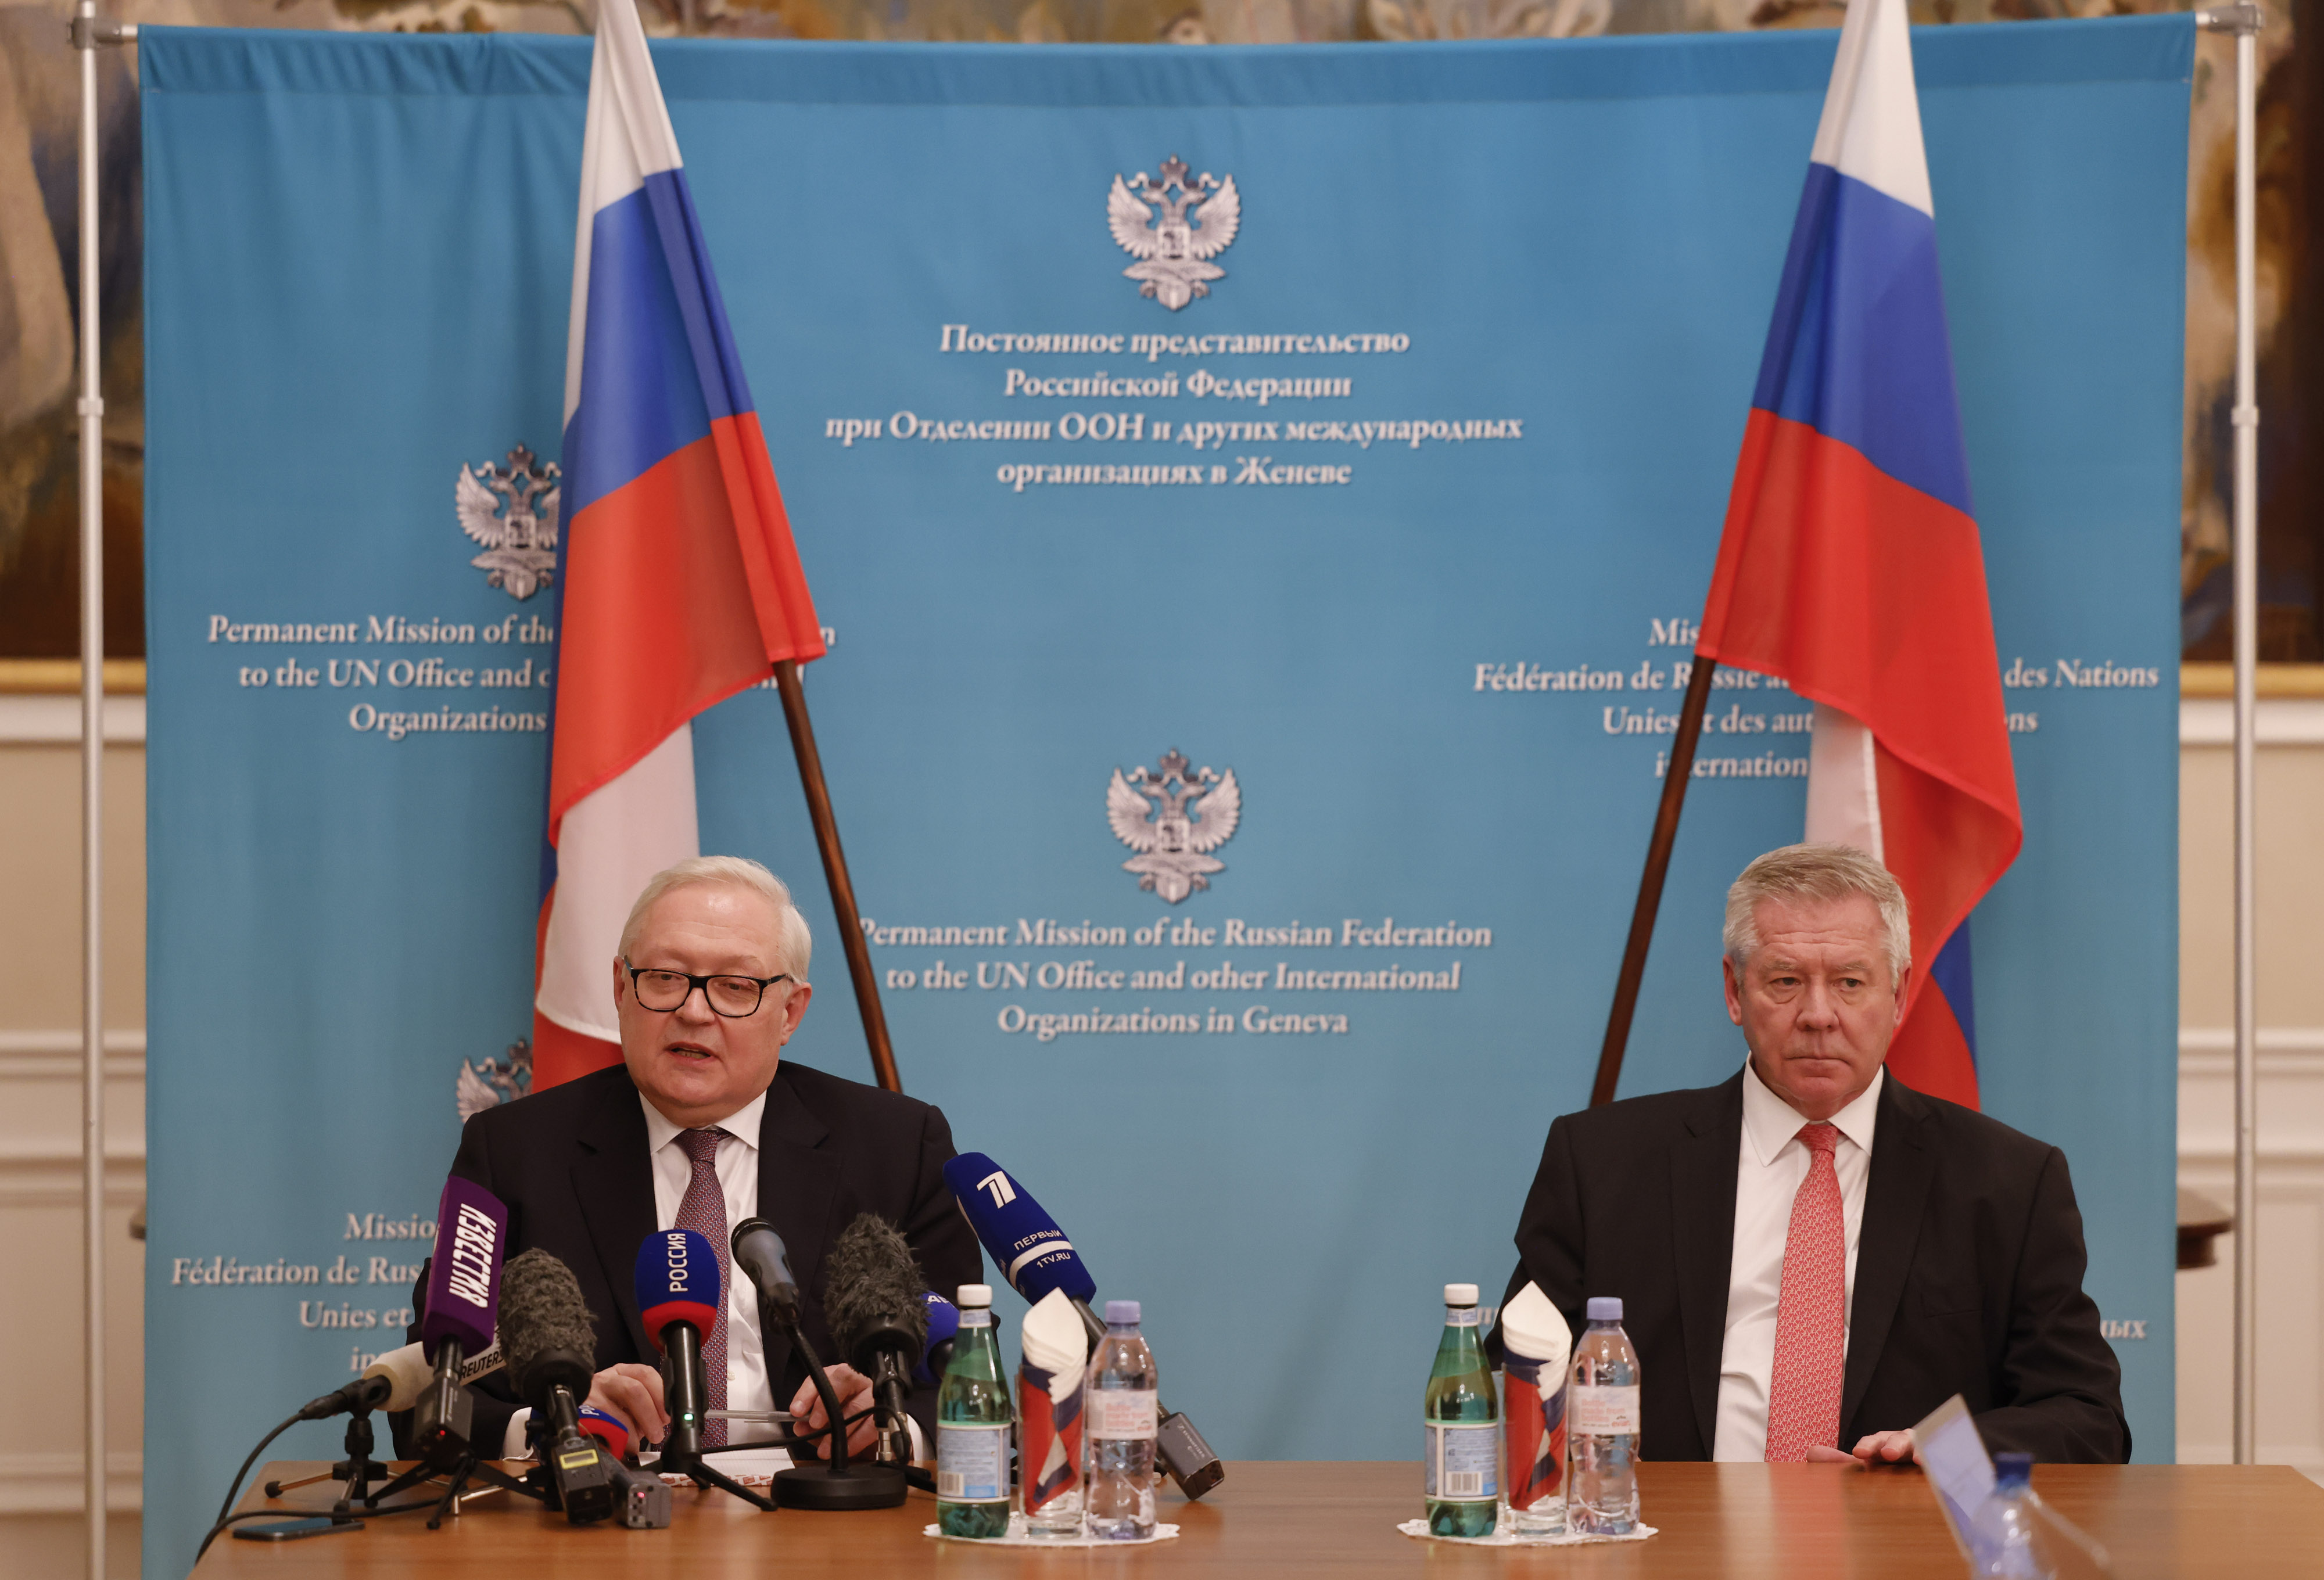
point(658, 578)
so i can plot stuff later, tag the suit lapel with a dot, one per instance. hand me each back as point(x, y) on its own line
point(798, 1186)
point(613, 1179)
point(1896, 1191)
point(1702, 1235)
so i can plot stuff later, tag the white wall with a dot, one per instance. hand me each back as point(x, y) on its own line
point(2290, 826)
point(40, 1105)
point(40, 1322)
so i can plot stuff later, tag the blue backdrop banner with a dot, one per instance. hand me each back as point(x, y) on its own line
point(1392, 516)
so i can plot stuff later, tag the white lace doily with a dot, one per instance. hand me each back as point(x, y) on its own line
point(1018, 1537)
point(1504, 1537)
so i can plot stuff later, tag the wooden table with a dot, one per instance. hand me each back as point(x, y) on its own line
point(1271, 1518)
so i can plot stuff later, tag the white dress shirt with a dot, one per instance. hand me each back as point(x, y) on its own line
point(1769, 1166)
point(747, 1387)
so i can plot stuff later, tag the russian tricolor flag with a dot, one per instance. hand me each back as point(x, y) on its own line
point(1851, 564)
point(679, 579)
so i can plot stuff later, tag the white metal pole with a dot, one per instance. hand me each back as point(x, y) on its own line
point(2243, 21)
point(2246, 579)
point(92, 787)
point(87, 35)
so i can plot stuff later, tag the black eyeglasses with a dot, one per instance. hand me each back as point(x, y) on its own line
point(735, 998)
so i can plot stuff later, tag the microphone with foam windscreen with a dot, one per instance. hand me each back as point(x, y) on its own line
point(1035, 1258)
point(879, 1319)
point(546, 1331)
point(678, 1293)
point(463, 1294)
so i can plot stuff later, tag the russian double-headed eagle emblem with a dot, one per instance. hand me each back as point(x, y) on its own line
point(1173, 248)
point(1174, 818)
point(520, 542)
point(486, 1083)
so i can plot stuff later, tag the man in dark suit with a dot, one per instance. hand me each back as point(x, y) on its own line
point(701, 1125)
point(1812, 1254)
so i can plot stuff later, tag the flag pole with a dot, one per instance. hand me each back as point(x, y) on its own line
point(1650, 882)
point(88, 35)
point(2244, 22)
point(834, 870)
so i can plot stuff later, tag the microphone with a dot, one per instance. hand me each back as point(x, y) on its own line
point(640, 1498)
point(1036, 1257)
point(879, 1319)
point(676, 1281)
point(545, 1330)
point(464, 1279)
point(607, 1429)
point(759, 1251)
point(1033, 1253)
point(395, 1381)
point(943, 1325)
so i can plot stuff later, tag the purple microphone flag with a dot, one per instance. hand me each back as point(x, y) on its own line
point(464, 1280)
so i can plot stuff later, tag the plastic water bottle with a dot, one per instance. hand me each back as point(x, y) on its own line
point(1601, 1415)
point(973, 1415)
point(2009, 1542)
point(1461, 1423)
point(1118, 1430)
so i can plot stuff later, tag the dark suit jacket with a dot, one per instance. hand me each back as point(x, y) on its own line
point(571, 1164)
point(1969, 1272)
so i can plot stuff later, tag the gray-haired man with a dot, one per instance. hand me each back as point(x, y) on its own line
point(1812, 1256)
point(704, 1125)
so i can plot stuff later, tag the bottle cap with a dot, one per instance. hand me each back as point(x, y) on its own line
point(976, 1295)
point(1121, 1312)
point(2013, 1470)
point(1459, 1294)
point(1605, 1307)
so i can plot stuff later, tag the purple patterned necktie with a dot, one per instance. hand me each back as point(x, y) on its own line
point(704, 1211)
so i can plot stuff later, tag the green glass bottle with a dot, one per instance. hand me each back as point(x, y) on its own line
point(1461, 1421)
point(973, 1415)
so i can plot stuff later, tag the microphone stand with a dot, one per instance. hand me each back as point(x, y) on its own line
point(839, 1486)
point(681, 1453)
point(461, 1467)
point(358, 1470)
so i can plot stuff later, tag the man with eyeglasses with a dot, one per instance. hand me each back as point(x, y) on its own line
point(701, 1125)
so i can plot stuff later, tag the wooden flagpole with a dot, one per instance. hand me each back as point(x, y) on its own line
point(834, 870)
point(1650, 882)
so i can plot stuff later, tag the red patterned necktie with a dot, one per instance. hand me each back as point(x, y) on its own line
point(704, 1211)
point(1811, 1315)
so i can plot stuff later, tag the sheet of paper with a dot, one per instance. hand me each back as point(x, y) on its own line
point(1958, 1467)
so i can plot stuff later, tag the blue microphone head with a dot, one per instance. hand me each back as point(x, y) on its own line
point(944, 1327)
point(677, 1282)
point(1034, 1254)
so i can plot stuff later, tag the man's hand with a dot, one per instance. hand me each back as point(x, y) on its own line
point(633, 1393)
point(1874, 1449)
point(855, 1391)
